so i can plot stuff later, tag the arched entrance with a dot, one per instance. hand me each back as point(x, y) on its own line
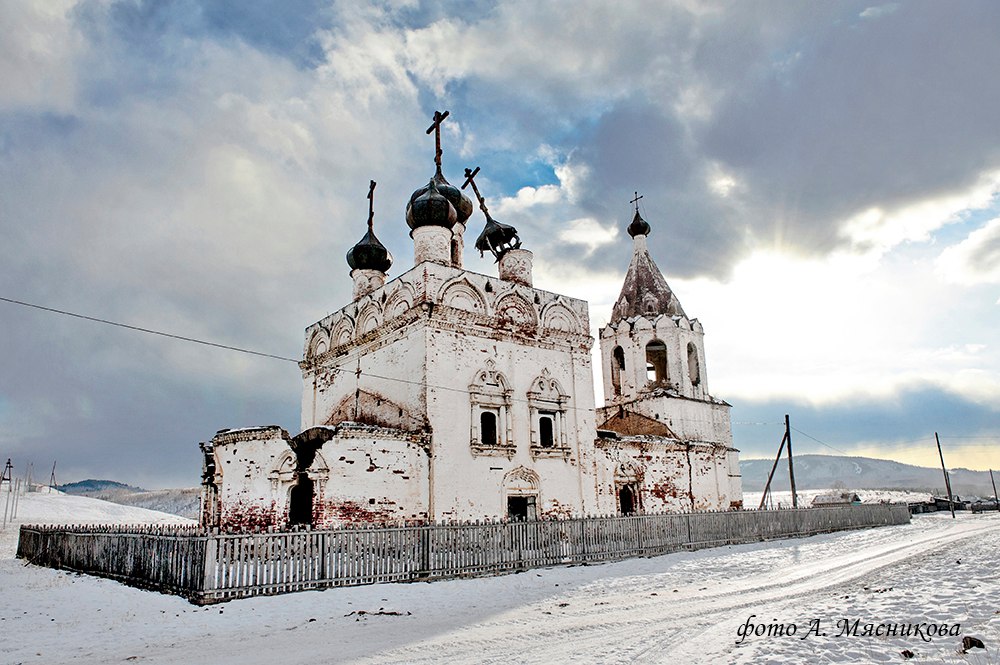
point(300, 501)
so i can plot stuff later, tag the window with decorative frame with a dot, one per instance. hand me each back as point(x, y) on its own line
point(490, 400)
point(547, 406)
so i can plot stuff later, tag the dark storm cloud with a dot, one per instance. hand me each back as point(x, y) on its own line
point(865, 113)
point(912, 415)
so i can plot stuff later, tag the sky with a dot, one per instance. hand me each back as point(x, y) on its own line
point(822, 181)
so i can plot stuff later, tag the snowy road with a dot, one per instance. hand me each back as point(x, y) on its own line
point(678, 608)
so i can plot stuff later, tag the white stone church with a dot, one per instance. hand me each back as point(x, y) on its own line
point(444, 394)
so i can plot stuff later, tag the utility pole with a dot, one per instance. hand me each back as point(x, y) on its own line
point(791, 471)
point(947, 480)
point(767, 487)
point(996, 499)
point(52, 478)
point(8, 474)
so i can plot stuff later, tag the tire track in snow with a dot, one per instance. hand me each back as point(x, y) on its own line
point(632, 625)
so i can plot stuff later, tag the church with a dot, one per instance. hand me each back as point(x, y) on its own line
point(442, 394)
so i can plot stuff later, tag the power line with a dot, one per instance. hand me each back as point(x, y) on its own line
point(148, 330)
point(255, 353)
point(809, 436)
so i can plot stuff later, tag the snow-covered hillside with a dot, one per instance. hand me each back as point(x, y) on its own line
point(680, 608)
point(58, 508)
point(855, 473)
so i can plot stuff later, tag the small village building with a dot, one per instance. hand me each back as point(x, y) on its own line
point(445, 394)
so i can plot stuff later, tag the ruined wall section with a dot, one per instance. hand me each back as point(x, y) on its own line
point(692, 421)
point(247, 464)
point(376, 475)
point(671, 476)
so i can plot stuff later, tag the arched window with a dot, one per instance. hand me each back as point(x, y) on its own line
point(617, 366)
point(694, 371)
point(489, 397)
point(547, 404)
point(488, 428)
point(656, 362)
point(546, 437)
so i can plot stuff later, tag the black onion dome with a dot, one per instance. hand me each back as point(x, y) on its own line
point(639, 226)
point(428, 207)
point(369, 254)
point(497, 238)
point(462, 204)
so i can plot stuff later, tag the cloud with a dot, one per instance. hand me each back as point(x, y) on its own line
point(36, 56)
point(900, 426)
point(202, 169)
point(975, 260)
point(879, 10)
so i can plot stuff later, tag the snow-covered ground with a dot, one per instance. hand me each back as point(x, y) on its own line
point(679, 608)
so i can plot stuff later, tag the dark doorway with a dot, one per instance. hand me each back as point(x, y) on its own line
point(300, 501)
point(521, 508)
point(626, 500)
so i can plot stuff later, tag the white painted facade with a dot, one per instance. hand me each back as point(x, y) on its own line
point(444, 394)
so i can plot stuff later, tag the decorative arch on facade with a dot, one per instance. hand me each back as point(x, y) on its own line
point(557, 316)
point(512, 308)
point(547, 406)
point(341, 330)
point(521, 480)
point(282, 474)
point(520, 494)
point(628, 488)
point(399, 302)
point(490, 398)
point(462, 294)
point(319, 343)
point(369, 318)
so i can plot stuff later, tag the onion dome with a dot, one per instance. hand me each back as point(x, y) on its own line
point(428, 207)
point(497, 238)
point(639, 226)
point(459, 201)
point(369, 254)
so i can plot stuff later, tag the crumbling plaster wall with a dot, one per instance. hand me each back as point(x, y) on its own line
point(691, 420)
point(671, 476)
point(376, 475)
point(246, 460)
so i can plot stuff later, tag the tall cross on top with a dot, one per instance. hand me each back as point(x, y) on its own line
point(371, 204)
point(635, 202)
point(436, 128)
point(470, 180)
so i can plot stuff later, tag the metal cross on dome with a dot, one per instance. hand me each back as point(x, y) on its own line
point(371, 204)
point(470, 176)
point(635, 201)
point(436, 128)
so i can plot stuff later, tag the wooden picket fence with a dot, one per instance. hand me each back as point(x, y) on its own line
point(210, 567)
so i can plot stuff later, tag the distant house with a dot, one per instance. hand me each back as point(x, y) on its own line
point(836, 499)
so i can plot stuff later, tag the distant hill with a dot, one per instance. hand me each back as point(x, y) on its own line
point(830, 471)
point(185, 502)
point(89, 486)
